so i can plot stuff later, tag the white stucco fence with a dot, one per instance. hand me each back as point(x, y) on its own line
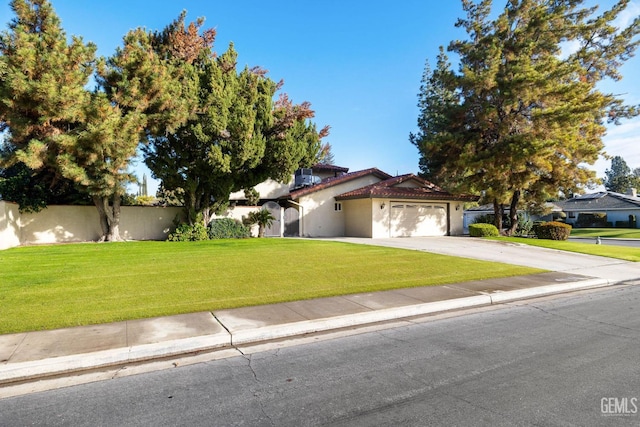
point(67, 224)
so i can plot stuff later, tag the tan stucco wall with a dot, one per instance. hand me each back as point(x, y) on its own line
point(9, 229)
point(268, 189)
point(457, 218)
point(358, 218)
point(58, 224)
point(66, 224)
point(320, 218)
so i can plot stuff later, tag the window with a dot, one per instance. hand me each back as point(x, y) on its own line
point(337, 206)
point(572, 214)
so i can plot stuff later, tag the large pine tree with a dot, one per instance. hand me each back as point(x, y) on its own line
point(520, 118)
point(239, 135)
point(42, 102)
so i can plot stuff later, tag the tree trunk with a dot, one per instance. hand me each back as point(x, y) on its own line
point(109, 215)
point(513, 213)
point(497, 213)
point(260, 230)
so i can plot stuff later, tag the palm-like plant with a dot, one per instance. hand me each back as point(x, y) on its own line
point(262, 217)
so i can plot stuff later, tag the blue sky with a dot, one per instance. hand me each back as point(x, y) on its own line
point(358, 62)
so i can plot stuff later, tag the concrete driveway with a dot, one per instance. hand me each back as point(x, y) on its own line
point(513, 253)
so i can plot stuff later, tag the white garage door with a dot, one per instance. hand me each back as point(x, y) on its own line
point(418, 219)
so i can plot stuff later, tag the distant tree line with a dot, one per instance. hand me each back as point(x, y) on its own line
point(206, 127)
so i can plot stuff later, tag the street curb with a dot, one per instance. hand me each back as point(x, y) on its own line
point(267, 333)
point(64, 365)
point(23, 372)
point(502, 297)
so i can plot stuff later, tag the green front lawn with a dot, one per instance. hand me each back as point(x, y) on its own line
point(620, 233)
point(618, 252)
point(47, 287)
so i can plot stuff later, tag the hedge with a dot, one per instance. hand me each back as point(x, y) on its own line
point(483, 230)
point(228, 228)
point(552, 230)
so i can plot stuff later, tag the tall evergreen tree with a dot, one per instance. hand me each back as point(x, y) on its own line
point(619, 178)
point(239, 137)
point(520, 118)
point(42, 103)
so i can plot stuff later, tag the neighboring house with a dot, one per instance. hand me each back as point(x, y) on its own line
point(618, 207)
point(369, 203)
point(471, 214)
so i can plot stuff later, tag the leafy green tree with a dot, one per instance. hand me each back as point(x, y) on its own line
point(86, 137)
point(238, 138)
point(619, 178)
point(42, 104)
point(520, 118)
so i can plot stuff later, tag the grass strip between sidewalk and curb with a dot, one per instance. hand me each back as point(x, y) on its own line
point(48, 287)
point(609, 251)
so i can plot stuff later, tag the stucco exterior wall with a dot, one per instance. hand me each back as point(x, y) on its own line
point(60, 224)
point(9, 227)
point(320, 219)
point(380, 210)
point(456, 218)
point(358, 219)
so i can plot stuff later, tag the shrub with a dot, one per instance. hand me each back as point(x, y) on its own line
point(525, 225)
point(484, 219)
point(592, 220)
point(228, 228)
point(622, 224)
point(552, 230)
point(483, 230)
point(189, 233)
point(262, 217)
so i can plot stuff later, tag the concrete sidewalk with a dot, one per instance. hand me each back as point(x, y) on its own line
point(29, 358)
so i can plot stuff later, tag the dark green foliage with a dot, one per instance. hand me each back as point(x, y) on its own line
point(238, 137)
point(591, 220)
point(622, 224)
point(483, 230)
point(34, 190)
point(189, 233)
point(517, 119)
point(228, 228)
point(619, 178)
point(552, 230)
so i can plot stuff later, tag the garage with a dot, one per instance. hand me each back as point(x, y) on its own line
point(410, 219)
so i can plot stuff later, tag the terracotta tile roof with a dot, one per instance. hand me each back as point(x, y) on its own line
point(389, 189)
point(329, 182)
point(326, 167)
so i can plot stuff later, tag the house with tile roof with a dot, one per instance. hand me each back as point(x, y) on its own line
point(617, 207)
point(367, 203)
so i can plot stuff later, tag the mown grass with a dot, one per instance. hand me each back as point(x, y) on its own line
point(610, 251)
point(47, 287)
point(620, 233)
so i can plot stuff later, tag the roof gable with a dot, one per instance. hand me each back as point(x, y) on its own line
point(399, 187)
point(332, 181)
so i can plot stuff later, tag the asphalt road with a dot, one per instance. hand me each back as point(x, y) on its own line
point(634, 243)
point(569, 360)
